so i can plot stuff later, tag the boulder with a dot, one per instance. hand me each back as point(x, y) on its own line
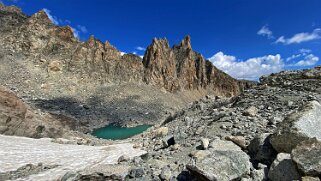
point(307, 156)
point(283, 169)
point(307, 178)
point(223, 161)
point(166, 173)
point(160, 132)
point(298, 127)
point(261, 149)
point(204, 143)
point(251, 111)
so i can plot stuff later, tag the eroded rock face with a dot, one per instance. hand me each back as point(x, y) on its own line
point(298, 127)
point(17, 118)
point(307, 157)
point(223, 161)
point(160, 65)
point(173, 69)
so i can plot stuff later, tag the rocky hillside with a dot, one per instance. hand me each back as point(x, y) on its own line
point(49, 68)
point(269, 132)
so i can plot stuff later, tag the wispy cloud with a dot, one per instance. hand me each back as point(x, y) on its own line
point(303, 59)
point(265, 31)
point(308, 60)
point(83, 29)
point(300, 37)
point(140, 48)
point(52, 18)
point(303, 50)
point(250, 69)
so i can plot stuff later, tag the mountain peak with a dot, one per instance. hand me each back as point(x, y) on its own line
point(14, 9)
point(40, 17)
point(186, 42)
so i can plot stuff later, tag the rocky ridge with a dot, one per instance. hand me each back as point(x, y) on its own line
point(48, 67)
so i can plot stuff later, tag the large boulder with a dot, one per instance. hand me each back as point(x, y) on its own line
point(307, 156)
point(298, 127)
point(283, 169)
point(224, 161)
point(261, 149)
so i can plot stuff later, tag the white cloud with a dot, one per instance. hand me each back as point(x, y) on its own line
point(305, 60)
point(300, 37)
point(305, 50)
point(293, 57)
point(83, 29)
point(52, 18)
point(122, 53)
point(140, 48)
point(250, 69)
point(308, 60)
point(265, 31)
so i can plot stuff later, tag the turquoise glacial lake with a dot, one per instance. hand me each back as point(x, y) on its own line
point(115, 132)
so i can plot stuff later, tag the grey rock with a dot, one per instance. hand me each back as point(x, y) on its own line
point(307, 155)
point(298, 127)
point(123, 158)
point(225, 161)
point(261, 149)
point(166, 173)
point(251, 111)
point(283, 169)
point(205, 143)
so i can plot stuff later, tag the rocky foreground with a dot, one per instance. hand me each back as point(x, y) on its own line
point(269, 132)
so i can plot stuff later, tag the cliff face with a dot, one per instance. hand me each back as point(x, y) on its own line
point(56, 49)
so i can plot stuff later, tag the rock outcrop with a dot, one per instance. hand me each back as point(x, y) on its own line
point(17, 118)
point(173, 69)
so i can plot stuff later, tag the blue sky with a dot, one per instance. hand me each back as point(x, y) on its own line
point(245, 38)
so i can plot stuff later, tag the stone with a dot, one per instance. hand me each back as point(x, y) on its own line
point(55, 66)
point(260, 174)
point(205, 143)
point(307, 156)
point(224, 161)
point(136, 173)
point(307, 178)
point(261, 149)
point(251, 111)
point(166, 174)
point(160, 132)
point(199, 154)
point(283, 169)
point(123, 158)
point(298, 127)
point(238, 140)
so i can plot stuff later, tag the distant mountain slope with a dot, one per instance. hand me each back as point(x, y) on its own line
point(47, 65)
